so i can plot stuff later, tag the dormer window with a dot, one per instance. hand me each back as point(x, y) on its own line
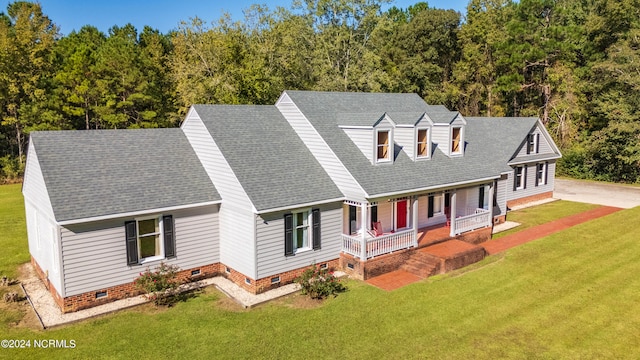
point(456, 140)
point(422, 143)
point(382, 145)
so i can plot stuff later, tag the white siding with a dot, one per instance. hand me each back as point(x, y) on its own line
point(363, 138)
point(406, 138)
point(423, 211)
point(214, 162)
point(531, 188)
point(501, 195)
point(440, 136)
point(42, 232)
point(95, 256)
point(385, 215)
point(34, 187)
point(319, 148)
point(237, 234)
point(544, 147)
point(270, 242)
point(237, 247)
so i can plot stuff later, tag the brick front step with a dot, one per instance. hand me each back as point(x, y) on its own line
point(421, 264)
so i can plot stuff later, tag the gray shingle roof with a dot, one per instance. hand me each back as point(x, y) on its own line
point(273, 165)
point(106, 172)
point(490, 143)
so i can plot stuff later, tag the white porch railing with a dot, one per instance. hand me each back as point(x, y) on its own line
point(478, 219)
point(379, 245)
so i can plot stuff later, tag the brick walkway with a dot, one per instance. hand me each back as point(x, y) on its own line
point(399, 278)
point(540, 231)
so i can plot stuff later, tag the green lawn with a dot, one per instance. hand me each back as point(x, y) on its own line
point(575, 294)
point(537, 215)
point(13, 233)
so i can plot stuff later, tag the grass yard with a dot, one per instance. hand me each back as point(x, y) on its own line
point(542, 214)
point(13, 232)
point(573, 295)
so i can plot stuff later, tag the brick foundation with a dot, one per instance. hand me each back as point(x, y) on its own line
point(476, 236)
point(88, 299)
point(47, 284)
point(379, 265)
point(499, 219)
point(528, 199)
point(266, 284)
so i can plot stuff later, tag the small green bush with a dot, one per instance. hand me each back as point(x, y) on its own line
point(319, 283)
point(160, 285)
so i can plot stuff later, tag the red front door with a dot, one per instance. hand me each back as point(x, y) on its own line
point(401, 214)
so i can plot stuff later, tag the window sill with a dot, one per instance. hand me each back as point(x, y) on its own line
point(302, 250)
point(151, 259)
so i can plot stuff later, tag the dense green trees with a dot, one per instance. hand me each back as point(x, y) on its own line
point(572, 63)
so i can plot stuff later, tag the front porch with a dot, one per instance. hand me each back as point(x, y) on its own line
point(367, 246)
point(381, 236)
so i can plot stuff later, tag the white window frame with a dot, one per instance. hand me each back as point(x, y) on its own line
point(541, 169)
point(532, 143)
point(389, 146)
point(520, 185)
point(294, 237)
point(160, 234)
point(460, 145)
point(427, 145)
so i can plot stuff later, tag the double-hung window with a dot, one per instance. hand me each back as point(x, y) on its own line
point(301, 231)
point(519, 178)
point(383, 140)
point(533, 143)
point(541, 174)
point(456, 140)
point(422, 143)
point(149, 239)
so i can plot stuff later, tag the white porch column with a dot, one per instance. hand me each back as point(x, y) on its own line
point(490, 202)
point(363, 229)
point(452, 204)
point(414, 220)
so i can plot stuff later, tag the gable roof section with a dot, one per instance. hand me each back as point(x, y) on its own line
point(500, 136)
point(99, 173)
point(489, 143)
point(270, 161)
point(554, 153)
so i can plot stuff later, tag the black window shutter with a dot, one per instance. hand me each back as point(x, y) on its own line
point(315, 219)
point(430, 207)
point(374, 213)
point(288, 234)
point(515, 178)
point(447, 199)
point(537, 174)
point(481, 197)
point(495, 193)
point(132, 242)
point(529, 138)
point(169, 236)
point(524, 177)
point(537, 143)
point(546, 171)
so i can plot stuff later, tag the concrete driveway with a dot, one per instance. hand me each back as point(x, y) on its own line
point(622, 196)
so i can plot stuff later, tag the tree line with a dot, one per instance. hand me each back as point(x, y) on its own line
point(574, 64)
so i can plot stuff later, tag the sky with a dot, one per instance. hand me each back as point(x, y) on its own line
point(165, 15)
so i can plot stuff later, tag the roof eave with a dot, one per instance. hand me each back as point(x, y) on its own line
point(297, 206)
point(435, 187)
point(135, 213)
